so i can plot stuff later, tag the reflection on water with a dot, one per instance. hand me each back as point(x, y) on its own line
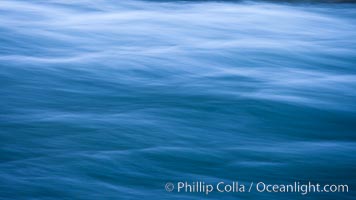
point(112, 99)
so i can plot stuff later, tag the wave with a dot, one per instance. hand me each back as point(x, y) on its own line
point(111, 99)
point(274, 52)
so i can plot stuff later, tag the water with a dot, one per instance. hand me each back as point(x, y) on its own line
point(112, 99)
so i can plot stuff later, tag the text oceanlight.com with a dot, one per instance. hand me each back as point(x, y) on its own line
point(236, 187)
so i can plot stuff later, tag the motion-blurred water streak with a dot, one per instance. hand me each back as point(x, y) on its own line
point(112, 99)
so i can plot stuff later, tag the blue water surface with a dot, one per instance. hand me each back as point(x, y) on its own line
point(105, 100)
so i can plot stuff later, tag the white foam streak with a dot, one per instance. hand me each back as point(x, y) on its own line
point(280, 49)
